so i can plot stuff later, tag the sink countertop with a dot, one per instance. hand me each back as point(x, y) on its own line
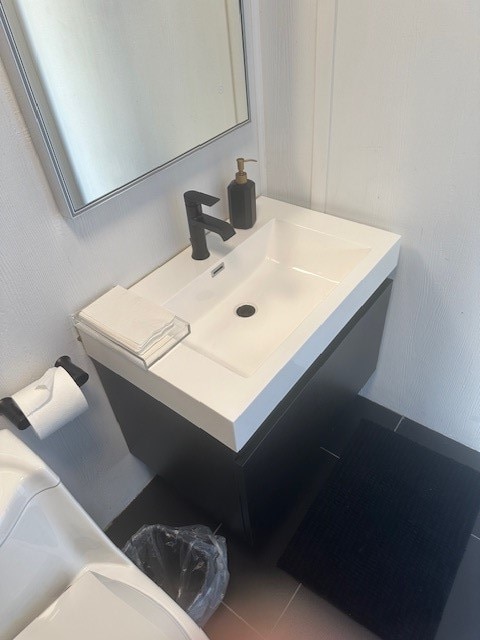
point(227, 405)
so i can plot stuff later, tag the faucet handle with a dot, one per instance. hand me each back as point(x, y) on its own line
point(193, 198)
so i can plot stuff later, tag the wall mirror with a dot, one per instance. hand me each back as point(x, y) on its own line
point(121, 89)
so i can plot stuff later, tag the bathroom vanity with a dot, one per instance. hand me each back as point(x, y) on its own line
point(234, 415)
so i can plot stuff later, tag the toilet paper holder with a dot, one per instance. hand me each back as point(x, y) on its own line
point(10, 409)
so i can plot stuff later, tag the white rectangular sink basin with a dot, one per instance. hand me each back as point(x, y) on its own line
point(304, 273)
point(279, 275)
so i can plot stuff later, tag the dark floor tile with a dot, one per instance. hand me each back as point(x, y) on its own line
point(461, 617)
point(157, 504)
point(439, 443)
point(309, 617)
point(343, 427)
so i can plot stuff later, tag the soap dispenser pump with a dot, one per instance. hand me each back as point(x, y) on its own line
point(241, 198)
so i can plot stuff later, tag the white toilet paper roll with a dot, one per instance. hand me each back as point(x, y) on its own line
point(51, 401)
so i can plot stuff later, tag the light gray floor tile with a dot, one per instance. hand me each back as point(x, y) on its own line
point(476, 527)
point(258, 591)
point(309, 617)
point(225, 625)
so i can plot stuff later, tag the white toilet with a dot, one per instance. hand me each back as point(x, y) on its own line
point(60, 576)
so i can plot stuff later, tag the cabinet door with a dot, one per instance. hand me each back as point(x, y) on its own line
point(282, 462)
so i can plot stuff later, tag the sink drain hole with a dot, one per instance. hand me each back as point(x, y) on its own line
point(245, 310)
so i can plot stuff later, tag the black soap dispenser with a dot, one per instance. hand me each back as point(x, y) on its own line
point(241, 198)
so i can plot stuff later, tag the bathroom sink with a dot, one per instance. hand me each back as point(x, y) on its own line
point(262, 308)
point(262, 291)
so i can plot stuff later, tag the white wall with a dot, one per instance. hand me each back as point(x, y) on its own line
point(51, 267)
point(288, 54)
point(396, 144)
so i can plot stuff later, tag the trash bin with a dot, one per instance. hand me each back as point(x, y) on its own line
point(189, 563)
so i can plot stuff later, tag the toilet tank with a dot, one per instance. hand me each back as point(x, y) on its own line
point(22, 476)
point(34, 568)
point(53, 556)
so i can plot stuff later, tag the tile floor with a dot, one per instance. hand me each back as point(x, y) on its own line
point(264, 602)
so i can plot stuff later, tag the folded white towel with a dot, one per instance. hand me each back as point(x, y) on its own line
point(133, 322)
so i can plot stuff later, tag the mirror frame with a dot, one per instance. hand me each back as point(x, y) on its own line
point(30, 109)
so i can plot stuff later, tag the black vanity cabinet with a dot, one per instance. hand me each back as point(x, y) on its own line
point(252, 490)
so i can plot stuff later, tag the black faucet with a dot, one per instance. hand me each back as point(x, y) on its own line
point(198, 222)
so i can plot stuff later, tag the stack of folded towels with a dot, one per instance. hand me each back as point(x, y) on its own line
point(140, 326)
